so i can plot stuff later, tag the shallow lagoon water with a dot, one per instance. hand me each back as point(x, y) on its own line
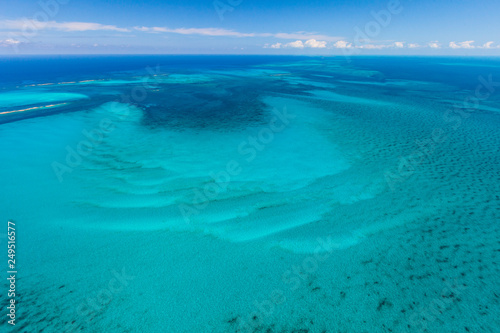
point(217, 187)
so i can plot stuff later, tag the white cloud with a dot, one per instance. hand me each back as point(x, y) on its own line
point(468, 44)
point(33, 25)
point(224, 32)
point(489, 45)
point(434, 45)
point(151, 29)
point(372, 46)
point(142, 29)
point(8, 42)
point(297, 44)
point(301, 35)
point(159, 29)
point(462, 45)
point(30, 25)
point(204, 32)
point(316, 44)
point(342, 44)
point(302, 39)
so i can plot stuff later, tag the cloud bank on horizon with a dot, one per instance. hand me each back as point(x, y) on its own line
point(303, 39)
point(381, 27)
point(342, 44)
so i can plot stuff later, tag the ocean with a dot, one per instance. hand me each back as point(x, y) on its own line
point(252, 193)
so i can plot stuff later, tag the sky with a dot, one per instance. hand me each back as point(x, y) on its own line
point(295, 27)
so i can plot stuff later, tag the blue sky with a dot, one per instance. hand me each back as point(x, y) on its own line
point(399, 27)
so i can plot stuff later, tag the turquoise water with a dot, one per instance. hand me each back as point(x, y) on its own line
point(213, 183)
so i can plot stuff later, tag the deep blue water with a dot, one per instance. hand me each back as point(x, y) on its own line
point(19, 69)
point(37, 69)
